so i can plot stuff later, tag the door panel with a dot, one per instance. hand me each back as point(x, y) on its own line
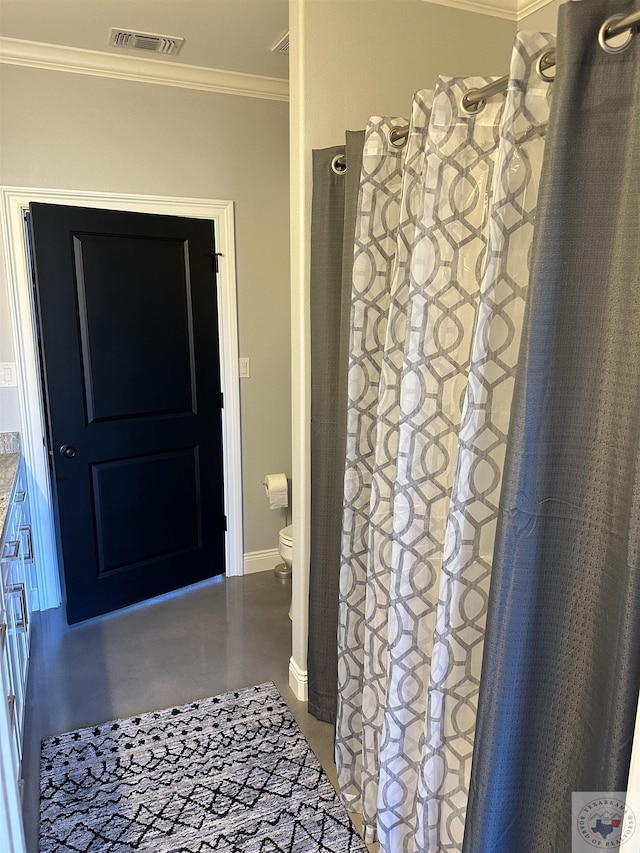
point(171, 522)
point(132, 330)
point(127, 309)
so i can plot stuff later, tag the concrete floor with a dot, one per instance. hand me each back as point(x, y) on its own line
point(214, 637)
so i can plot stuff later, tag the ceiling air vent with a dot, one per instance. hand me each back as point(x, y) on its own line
point(151, 42)
point(281, 46)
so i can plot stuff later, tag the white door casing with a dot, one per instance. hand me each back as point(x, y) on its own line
point(14, 200)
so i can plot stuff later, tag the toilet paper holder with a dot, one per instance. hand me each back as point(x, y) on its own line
point(276, 487)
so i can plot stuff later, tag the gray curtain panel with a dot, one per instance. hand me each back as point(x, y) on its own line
point(332, 239)
point(561, 664)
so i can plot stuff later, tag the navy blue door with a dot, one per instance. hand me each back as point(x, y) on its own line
point(129, 338)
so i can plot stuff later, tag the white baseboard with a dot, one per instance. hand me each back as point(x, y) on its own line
point(298, 681)
point(261, 561)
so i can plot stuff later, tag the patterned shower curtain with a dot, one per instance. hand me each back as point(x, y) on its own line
point(458, 641)
point(414, 582)
point(374, 253)
point(443, 297)
point(366, 578)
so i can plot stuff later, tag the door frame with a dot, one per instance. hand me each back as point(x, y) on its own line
point(13, 201)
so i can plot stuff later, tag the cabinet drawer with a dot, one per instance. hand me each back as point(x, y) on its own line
point(15, 517)
point(12, 548)
point(17, 645)
point(8, 697)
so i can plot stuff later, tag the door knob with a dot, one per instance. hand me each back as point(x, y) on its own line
point(68, 450)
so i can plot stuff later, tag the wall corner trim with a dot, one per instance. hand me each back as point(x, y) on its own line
point(526, 7)
point(510, 10)
point(506, 9)
point(55, 57)
point(298, 681)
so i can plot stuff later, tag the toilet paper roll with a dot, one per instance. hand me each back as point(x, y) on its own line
point(276, 487)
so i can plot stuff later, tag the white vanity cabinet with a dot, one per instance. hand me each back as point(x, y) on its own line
point(16, 552)
point(16, 557)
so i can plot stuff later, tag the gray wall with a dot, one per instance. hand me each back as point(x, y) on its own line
point(368, 57)
point(69, 131)
point(543, 20)
point(9, 414)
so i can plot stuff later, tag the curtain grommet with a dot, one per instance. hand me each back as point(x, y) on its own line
point(471, 107)
point(603, 34)
point(339, 164)
point(398, 136)
point(544, 62)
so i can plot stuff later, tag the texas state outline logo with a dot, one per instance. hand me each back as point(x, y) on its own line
point(601, 821)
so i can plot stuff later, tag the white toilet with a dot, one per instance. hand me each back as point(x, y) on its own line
point(285, 548)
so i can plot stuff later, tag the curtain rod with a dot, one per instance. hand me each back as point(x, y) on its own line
point(475, 99)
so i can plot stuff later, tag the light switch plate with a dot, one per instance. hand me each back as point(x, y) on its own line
point(8, 374)
point(245, 368)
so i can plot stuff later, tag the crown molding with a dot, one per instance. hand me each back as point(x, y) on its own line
point(510, 10)
point(54, 57)
point(528, 6)
point(496, 8)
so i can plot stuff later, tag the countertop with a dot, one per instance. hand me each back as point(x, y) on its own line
point(8, 467)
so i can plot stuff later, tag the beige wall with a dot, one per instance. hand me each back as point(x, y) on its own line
point(9, 415)
point(351, 59)
point(367, 57)
point(544, 20)
point(70, 131)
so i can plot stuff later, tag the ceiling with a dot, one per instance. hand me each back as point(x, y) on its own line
point(235, 35)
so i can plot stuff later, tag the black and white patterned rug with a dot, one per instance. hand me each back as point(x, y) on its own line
point(231, 773)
